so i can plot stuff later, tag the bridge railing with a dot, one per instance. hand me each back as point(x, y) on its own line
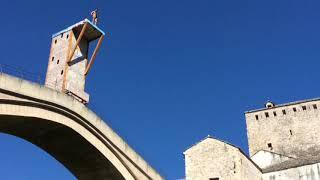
point(27, 75)
point(21, 73)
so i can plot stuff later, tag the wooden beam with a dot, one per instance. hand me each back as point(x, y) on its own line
point(78, 41)
point(94, 55)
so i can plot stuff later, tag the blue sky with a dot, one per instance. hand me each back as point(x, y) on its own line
point(172, 71)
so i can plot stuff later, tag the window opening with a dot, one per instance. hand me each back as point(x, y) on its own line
point(267, 114)
point(315, 106)
point(284, 112)
point(257, 117)
point(274, 114)
point(304, 108)
point(294, 109)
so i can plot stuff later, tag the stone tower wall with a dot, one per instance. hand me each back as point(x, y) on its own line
point(291, 129)
point(57, 61)
point(65, 77)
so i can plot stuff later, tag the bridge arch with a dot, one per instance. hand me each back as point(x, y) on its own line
point(68, 131)
point(67, 141)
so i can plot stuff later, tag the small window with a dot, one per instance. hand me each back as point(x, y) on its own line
point(52, 59)
point(270, 146)
point(55, 41)
point(67, 36)
point(272, 177)
point(304, 108)
point(58, 61)
point(62, 35)
point(213, 178)
point(257, 117)
point(267, 114)
point(284, 112)
point(294, 109)
point(291, 132)
point(61, 72)
point(274, 113)
point(314, 106)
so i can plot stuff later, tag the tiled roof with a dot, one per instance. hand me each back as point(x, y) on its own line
point(292, 163)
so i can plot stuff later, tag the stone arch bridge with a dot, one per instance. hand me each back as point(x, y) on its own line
point(69, 131)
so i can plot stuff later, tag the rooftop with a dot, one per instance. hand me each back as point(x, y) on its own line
point(293, 163)
point(92, 33)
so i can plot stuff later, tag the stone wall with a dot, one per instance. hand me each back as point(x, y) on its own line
point(57, 61)
point(290, 129)
point(63, 76)
point(212, 158)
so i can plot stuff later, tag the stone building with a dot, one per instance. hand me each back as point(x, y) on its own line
point(213, 159)
point(284, 144)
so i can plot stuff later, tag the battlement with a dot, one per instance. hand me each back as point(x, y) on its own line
point(290, 129)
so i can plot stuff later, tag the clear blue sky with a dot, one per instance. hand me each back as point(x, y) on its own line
point(172, 72)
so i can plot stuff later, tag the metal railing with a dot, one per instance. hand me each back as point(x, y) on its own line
point(34, 77)
point(21, 73)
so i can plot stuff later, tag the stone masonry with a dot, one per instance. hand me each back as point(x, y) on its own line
point(66, 71)
point(290, 129)
point(284, 144)
point(225, 160)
